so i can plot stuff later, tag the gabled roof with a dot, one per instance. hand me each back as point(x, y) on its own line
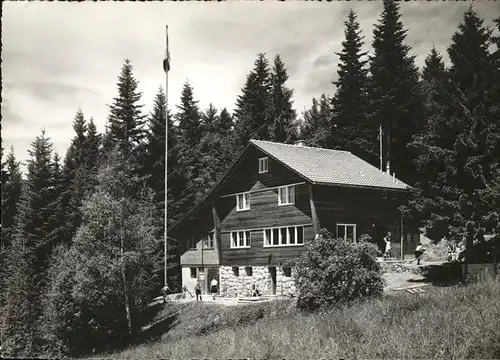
point(316, 165)
point(329, 167)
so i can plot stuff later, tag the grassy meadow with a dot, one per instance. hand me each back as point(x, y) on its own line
point(444, 322)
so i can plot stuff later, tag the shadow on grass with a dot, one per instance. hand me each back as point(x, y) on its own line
point(153, 322)
point(449, 274)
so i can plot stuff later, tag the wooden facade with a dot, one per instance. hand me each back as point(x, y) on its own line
point(315, 207)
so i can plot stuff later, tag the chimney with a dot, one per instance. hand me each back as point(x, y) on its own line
point(299, 143)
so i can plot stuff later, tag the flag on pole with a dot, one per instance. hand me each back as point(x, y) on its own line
point(166, 59)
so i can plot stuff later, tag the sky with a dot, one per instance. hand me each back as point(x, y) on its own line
point(61, 56)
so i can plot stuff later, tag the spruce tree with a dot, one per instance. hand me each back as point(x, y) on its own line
point(209, 119)
point(281, 112)
point(352, 131)
point(126, 121)
point(31, 248)
point(188, 117)
point(11, 193)
point(394, 92)
point(252, 106)
point(458, 152)
point(316, 123)
point(224, 124)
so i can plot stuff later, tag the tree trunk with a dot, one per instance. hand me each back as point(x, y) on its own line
point(125, 287)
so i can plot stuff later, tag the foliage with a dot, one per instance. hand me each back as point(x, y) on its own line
point(332, 271)
point(114, 258)
point(282, 115)
point(252, 106)
point(394, 91)
point(457, 153)
point(316, 123)
point(351, 130)
point(37, 230)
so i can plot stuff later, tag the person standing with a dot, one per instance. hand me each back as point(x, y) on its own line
point(197, 290)
point(213, 287)
point(419, 250)
point(387, 239)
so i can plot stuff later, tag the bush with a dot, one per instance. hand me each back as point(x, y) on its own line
point(335, 271)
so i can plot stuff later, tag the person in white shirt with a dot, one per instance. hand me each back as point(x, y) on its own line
point(387, 239)
point(419, 250)
point(213, 287)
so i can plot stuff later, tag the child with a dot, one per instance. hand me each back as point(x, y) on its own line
point(387, 239)
point(197, 290)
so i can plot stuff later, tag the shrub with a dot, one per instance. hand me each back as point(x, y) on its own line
point(335, 271)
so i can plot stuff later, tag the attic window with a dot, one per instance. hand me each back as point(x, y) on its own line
point(263, 165)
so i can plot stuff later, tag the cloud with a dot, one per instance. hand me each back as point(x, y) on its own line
point(61, 56)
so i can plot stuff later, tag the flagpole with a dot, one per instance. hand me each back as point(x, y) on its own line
point(167, 58)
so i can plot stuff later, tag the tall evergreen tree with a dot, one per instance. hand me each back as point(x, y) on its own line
point(31, 248)
point(252, 106)
point(11, 193)
point(316, 123)
point(126, 121)
point(395, 97)
point(350, 104)
point(190, 130)
point(281, 112)
point(224, 124)
point(209, 119)
point(458, 152)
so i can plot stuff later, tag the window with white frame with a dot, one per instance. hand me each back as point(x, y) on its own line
point(286, 195)
point(243, 201)
point(263, 165)
point(346, 231)
point(284, 236)
point(208, 242)
point(240, 239)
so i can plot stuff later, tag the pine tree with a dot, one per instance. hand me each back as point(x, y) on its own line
point(458, 152)
point(190, 183)
point(79, 171)
point(126, 122)
point(224, 124)
point(31, 248)
point(394, 92)
point(189, 118)
point(252, 106)
point(316, 123)
point(11, 193)
point(209, 119)
point(350, 104)
point(281, 112)
point(92, 155)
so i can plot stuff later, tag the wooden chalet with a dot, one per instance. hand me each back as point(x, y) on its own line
point(272, 200)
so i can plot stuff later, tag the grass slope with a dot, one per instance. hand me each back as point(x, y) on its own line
point(448, 322)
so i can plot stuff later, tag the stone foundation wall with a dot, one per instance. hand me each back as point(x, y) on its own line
point(241, 286)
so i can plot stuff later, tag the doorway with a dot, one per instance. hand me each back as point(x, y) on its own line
point(380, 234)
point(272, 272)
point(212, 273)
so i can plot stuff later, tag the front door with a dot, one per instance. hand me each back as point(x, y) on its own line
point(272, 272)
point(211, 274)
